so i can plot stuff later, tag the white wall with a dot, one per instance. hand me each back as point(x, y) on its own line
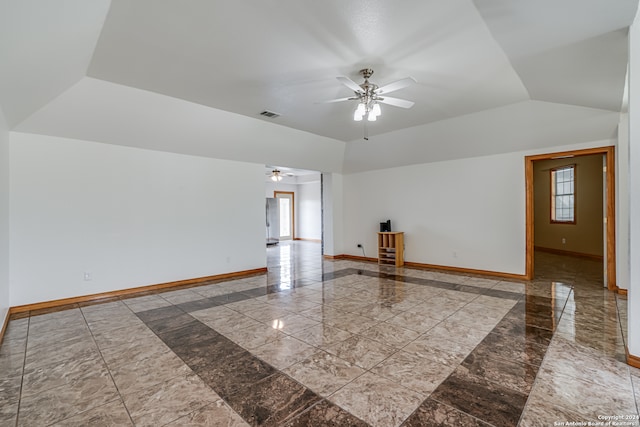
point(271, 186)
point(309, 210)
point(634, 189)
point(130, 217)
point(4, 220)
point(333, 213)
point(473, 207)
point(528, 125)
point(467, 213)
point(96, 110)
point(622, 200)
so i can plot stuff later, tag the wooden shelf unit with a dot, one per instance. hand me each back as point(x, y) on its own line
point(391, 248)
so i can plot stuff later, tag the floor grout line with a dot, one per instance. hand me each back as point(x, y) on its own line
point(24, 364)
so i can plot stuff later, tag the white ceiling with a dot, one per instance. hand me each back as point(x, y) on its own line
point(45, 48)
point(283, 56)
point(292, 175)
point(71, 68)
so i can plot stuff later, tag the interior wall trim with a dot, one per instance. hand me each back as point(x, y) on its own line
point(358, 258)
point(633, 360)
point(621, 291)
point(5, 323)
point(334, 257)
point(465, 270)
point(609, 152)
point(418, 265)
point(137, 290)
point(308, 240)
point(569, 253)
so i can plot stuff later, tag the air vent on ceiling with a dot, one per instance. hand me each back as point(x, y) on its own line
point(269, 114)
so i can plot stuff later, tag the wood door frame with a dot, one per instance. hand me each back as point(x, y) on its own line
point(293, 210)
point(609, 152)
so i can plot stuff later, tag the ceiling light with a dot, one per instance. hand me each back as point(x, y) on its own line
point(370, 95)
point(276, 176)
point(360, 112)
point(376, 109)
point(369, 108)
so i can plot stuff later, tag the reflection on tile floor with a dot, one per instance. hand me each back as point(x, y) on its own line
point(316, 342)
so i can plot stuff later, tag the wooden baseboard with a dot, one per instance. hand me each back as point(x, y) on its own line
point(462, 270)
point(569, 253)
point(350, 257)
point(422, 266)
point(622, 291)
point(308, 240)
point(5, 323)
point(359, 258)
point(133, 291)
point(633, 360)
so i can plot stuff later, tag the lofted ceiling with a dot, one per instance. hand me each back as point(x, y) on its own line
point(493, 59)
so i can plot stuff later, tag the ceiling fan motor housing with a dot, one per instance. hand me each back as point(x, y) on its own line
point(366, 72)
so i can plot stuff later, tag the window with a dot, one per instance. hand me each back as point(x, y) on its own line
point(563, 198)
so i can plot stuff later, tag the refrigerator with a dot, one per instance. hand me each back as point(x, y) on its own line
point(273, 221)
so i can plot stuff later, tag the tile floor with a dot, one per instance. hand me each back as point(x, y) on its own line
point(340, 343)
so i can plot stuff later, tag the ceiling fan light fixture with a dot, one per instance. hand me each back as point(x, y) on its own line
point(369, 96)
point(376, 111)
point(276, 176)
point(360, 112)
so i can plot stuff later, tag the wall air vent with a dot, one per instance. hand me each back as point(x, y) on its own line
point(269, 114)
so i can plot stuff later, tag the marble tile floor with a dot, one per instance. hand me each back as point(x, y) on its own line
point(316, 342)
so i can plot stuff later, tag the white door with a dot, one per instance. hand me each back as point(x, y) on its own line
point(286, 208)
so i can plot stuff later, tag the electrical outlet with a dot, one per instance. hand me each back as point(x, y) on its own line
point(564, 241)
point(455, 254)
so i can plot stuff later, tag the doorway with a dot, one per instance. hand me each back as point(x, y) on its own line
point(294, 206)
point(608, 214)
point(286, 208)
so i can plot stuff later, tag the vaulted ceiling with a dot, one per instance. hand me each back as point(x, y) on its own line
point(553, 69)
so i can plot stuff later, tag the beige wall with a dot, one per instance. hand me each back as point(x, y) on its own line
point(586, 235)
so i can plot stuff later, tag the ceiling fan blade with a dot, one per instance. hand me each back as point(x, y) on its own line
point(396, 102)
point(336, 100)
point(399, 84)
point(349, 83)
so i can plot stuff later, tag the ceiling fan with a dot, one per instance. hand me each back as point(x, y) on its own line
point(370, 95)
point(276, 175)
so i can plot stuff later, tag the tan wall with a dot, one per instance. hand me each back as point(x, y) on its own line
point(586, 235)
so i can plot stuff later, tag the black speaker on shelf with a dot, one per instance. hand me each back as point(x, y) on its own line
point(385, 226)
